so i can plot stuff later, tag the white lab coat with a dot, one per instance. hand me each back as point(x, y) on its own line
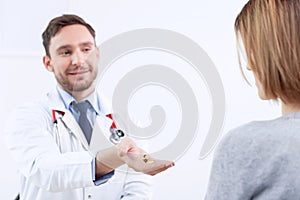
point(55, 163)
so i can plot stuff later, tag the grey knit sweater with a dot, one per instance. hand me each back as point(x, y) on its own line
point(259, 160)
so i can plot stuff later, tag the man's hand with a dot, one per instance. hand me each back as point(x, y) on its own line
point(137, 159)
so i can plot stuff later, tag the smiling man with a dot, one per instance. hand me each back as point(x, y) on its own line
point(55, 140)
point(69, 51)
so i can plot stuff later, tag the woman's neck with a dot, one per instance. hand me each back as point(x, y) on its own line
point(289, 108)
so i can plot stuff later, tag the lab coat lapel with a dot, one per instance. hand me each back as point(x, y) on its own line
point(70, 122)
point(101, 130)
point(101, 134)
point(55, 103)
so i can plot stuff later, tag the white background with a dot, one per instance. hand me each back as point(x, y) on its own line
point(208, 23)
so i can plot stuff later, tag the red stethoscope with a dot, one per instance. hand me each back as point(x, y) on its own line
point(116, 134)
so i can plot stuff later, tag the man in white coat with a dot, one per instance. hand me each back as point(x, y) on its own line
point(56, 156)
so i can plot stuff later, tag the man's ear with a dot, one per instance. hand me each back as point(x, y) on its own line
point(98, 53)
point(47, 63)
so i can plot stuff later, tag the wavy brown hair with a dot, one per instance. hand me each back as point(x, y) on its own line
point(270, 33)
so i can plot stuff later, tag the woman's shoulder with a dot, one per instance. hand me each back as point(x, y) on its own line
point(245, 131)
point(256, 128)
point(255, 136)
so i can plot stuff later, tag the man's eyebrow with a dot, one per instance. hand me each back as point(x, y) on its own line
point(86, 43)
point(63, 47)
point(70, 46)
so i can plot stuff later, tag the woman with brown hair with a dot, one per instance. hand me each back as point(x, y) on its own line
point(261, 159)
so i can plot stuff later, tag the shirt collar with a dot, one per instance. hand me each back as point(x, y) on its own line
point(67, 99)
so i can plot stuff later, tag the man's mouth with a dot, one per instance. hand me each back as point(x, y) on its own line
point(74, 73)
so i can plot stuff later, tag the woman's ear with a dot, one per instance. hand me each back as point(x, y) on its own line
point(47, 63)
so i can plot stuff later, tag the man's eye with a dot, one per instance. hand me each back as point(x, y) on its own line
point(86, 49)
point(65, 52)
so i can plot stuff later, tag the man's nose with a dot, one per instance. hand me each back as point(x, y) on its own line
point(78, 58)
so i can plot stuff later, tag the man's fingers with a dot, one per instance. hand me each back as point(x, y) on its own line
point(152, 173)
point(158, 167)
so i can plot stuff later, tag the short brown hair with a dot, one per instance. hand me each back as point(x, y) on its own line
point(56, 24)
point(270, 32)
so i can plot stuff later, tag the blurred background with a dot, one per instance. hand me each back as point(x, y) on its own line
point(208, 23)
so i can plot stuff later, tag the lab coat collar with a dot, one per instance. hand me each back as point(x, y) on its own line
point(54, 101)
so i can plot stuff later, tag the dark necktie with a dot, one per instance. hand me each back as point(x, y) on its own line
point(83, 120)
